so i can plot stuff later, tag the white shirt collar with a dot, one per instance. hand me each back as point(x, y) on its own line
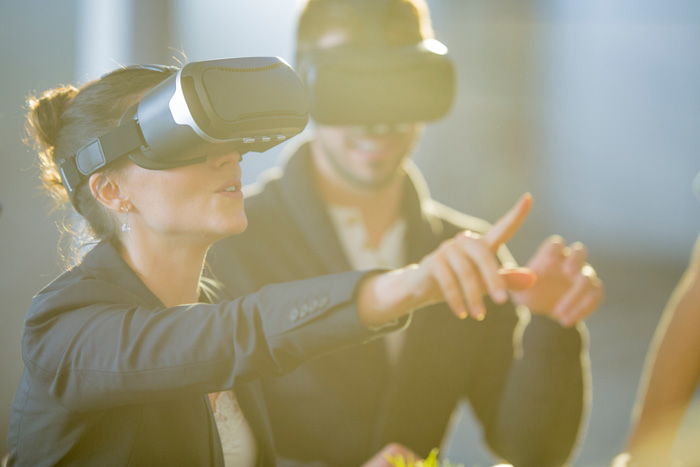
point(390, 253)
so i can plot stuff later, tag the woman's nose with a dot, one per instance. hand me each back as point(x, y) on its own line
point(227, 159)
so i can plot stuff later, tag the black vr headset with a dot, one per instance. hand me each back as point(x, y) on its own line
point(249, 104)
point(378, 85)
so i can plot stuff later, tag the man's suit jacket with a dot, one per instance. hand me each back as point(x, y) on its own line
point(527, 389)
point(113, 377)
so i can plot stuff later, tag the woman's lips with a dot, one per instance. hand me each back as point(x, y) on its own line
point(231, 189)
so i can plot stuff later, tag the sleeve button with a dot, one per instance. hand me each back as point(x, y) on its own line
point(294, 314)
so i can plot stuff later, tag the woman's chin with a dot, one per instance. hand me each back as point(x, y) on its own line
point(237, 227)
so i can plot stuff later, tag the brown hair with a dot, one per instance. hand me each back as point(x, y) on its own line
point(65, 118)
point(401, 21)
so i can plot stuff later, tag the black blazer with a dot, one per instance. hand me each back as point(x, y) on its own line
point(342, 408)
point(112, 377)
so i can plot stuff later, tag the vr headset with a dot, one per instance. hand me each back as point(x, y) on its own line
point(379, 85)
point(249, 104)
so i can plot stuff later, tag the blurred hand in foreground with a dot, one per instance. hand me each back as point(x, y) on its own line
point(390, 451)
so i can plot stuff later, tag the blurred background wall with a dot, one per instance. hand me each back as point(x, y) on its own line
point(592, 106)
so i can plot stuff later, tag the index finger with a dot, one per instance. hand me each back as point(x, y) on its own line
point(507, 225)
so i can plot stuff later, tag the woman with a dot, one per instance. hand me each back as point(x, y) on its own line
point(121, 351)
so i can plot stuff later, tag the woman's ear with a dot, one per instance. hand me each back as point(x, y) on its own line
point(108, 192)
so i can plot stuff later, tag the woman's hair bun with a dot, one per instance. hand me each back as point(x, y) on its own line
point(45, 114)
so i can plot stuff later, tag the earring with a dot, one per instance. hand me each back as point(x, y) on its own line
point(125, 225)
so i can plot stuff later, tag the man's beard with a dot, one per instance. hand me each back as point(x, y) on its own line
point(355, 181)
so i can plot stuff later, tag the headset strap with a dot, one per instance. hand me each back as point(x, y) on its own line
point(98, 153)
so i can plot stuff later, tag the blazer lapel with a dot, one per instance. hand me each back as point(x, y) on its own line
point(423, 234)
point(304, 203)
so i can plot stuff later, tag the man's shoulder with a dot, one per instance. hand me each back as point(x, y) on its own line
point(445, 221)
point(268, 219)
point(267, 193)
point(453, 221)
point(261, 193)
point(265, 204)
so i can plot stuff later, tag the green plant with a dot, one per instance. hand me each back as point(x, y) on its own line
point(430, 461)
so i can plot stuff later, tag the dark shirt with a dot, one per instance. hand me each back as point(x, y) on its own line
point(113, 377)
point(526, 386)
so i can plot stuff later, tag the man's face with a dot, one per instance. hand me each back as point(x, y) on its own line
point(365, 157)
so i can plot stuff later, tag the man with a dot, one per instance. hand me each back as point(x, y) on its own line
point(351, 199)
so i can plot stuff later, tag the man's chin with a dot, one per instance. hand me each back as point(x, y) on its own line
point(374, 182)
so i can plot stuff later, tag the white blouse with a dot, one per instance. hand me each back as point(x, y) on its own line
point(237, 439)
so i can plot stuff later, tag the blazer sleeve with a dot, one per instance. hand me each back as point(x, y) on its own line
point(93, 349)
point(538, 413)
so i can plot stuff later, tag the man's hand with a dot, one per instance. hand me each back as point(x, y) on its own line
point(567, 288)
